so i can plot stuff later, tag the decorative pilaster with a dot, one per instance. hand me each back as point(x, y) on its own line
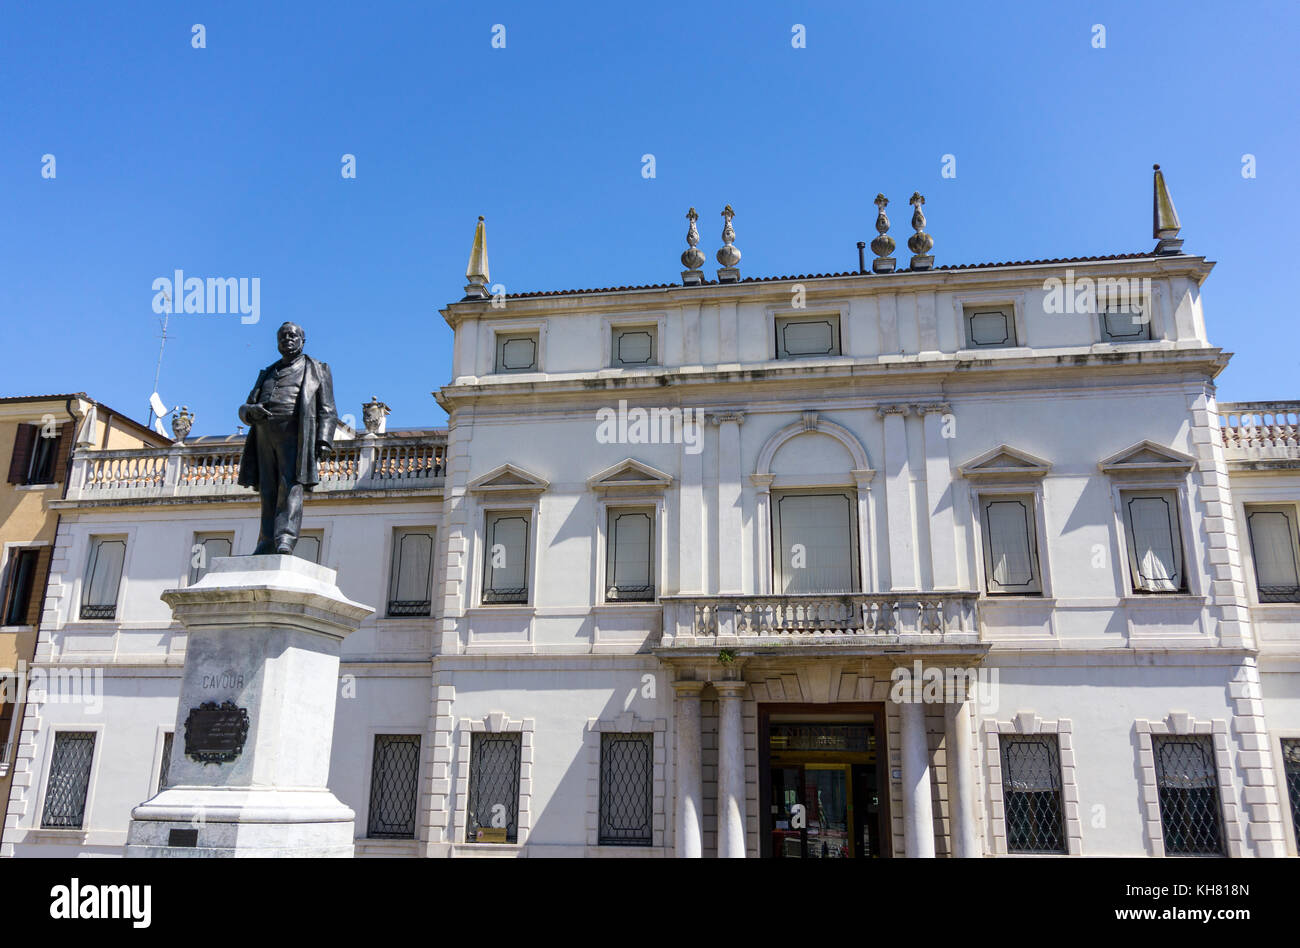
point(731, 770)
point(728, 255)
point(940, 520)
point(898, 500)
point(883, 245)
point(730, 513)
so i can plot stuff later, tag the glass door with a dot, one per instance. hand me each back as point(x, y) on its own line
point(828, 796)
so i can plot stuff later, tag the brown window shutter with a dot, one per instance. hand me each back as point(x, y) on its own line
point(62, 452)
point(37, 601)
point(22, 458)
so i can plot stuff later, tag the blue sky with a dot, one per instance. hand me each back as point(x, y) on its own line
point(225, 161)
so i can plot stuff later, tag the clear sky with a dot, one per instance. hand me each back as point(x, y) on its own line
point(225, 162)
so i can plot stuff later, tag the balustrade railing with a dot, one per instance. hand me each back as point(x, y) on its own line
point(1260, 430)
point(370, 463)
point(705, 619)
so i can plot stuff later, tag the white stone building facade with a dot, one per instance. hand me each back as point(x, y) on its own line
point(658, 587)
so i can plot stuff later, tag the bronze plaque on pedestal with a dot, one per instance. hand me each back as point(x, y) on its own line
point(215, 733)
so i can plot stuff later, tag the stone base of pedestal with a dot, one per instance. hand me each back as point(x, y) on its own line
point(208, 822)
point(250, 756)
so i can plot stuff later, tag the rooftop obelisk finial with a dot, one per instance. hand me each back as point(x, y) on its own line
point(693, 258)
point(1164, 219)
point(477, 271)
point(883, 245)
point(728, 255)
point(920, 243)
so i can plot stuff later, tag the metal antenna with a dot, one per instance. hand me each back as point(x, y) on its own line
point(157, 372)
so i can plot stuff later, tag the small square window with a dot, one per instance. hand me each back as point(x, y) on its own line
point(991, 326)
point(633, 346)
point(1125, 316)
point(807, 337)
point(516, 352)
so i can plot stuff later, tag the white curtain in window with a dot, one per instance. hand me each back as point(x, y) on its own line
point(629, 549)
point(308, 548)
point(1012, 564)
point(507, 557)
point(412, 566)
point(1156, 556)
point(105, 572)
point(1272, 540)
point(815, 543)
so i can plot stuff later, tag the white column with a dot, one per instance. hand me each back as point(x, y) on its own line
point(918, 816)
point(690, 779)
point(961, 778)
point(898, 500)
point(730, 521)
point(731, 770)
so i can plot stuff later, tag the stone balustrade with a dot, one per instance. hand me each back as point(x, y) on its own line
point(1260, 431)
point(864, 618)
point(383, 462)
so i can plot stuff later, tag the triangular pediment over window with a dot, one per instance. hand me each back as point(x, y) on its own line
point(507, 477)
point(629, 474)
point(1147, 456)
point(1005, 461)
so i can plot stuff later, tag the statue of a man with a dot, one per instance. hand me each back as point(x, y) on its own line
point(291, 421)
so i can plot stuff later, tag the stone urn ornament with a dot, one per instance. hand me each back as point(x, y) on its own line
point(182, 422)
point(373, 413)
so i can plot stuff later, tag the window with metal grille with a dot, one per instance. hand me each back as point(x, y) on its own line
point(626, 788)
point(69, 779)
point(165, 765)
point(1155, 542)
point(1275, 551)
point(206, 548)
point(394, 785)
point(21, 586)
point(1291, 770)
point(493, 810)
point(103, 577)
point(411, 575)
point(1031, 793)
point(629, 560)
point(1011, 546)
point(1190, 815)
point(505, 567)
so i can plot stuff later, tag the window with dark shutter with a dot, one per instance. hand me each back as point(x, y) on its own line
point(21, 461)
point(20, 586)
point(8, 715)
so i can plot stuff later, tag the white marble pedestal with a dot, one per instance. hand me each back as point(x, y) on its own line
point(264, 634)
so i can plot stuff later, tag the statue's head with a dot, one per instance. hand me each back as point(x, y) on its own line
point(289, 339)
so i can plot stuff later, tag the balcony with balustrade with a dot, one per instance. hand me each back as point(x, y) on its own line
point(208, 469)
point(871, 622)
point(1260, 436)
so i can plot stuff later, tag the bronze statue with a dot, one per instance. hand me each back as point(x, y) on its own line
point(291, 421)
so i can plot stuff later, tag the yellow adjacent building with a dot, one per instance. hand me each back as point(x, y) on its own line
point(38, 434)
